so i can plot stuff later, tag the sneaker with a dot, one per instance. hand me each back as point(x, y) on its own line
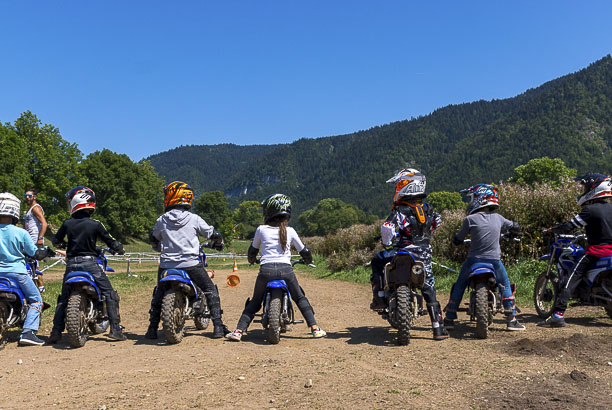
point(54, 337)
point(553, 322)
point(449, 324)
point(235, 336)
point(318, 332)
point(29, 338)
point(514, 325)
point(41, 289)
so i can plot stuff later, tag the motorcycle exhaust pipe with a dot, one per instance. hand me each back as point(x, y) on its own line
point(233, 280)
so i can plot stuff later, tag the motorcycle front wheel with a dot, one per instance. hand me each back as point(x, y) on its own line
point(544, 296)
point(76, 320)
point(173, 316)
point(274, 316)
point(482, 311)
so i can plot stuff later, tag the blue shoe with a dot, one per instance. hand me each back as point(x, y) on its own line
point(29, 338)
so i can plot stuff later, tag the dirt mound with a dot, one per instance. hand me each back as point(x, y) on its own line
point(577, 346)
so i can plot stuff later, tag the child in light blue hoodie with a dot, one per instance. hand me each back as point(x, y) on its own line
point(176, 235)
point(15, 245)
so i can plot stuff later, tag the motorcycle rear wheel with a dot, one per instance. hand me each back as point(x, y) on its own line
point(544, 296)
point(403, 315)
point(76, 321)
point(274, 316)
point(482, 311)
point(173, 316)
point(3, 326)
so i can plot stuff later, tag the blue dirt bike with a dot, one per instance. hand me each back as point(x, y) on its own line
point(278, 310)
point(403, 277)
point(486, 293)
point(182, 300)
point(86, 306)
point(13, 307)
point(594, 290)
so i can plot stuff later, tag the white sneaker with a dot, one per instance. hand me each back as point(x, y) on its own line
point(235, 336)
point(318, 332)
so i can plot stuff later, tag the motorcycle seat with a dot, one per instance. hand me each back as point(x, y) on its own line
point(80, 273)
point(482, 267)
point(176, 272)
point(9, 283)
point(276, 284)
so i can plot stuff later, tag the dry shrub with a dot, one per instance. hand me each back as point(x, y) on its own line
point(348, 248)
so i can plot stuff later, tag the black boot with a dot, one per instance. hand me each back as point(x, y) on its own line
point(151, 331)
point(437, 323)
point(55, 336)
point(220, 330)
point(116, 332)
point(378, 304)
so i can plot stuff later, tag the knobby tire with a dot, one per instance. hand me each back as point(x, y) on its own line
point(482, 311)
point(76, 321)
point(274, 316)
point(173, 316)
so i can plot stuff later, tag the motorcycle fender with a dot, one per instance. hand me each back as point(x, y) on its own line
point(174, 280)
point(88, 286)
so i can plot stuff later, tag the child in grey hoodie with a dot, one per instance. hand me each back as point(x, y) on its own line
point(175, 235)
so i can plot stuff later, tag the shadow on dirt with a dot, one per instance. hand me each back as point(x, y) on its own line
point(599, 320)
point(373, 335)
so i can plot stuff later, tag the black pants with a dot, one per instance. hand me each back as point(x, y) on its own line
point(267, 273)
point(572, 282)
point(87, 264)
point(200, 277)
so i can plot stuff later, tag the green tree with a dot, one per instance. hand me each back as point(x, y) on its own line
point(542, 170)
point(328, 216)
point(128, 194)
point(213, 207)
point(247, 217)
point(13, 157)
point(445, 200)
point(52, 163)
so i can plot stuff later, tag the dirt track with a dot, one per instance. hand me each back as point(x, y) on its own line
point(356, 366)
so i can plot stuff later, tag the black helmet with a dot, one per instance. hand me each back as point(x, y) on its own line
point(275, 205)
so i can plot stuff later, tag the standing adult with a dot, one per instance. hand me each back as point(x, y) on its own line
point(35, 223)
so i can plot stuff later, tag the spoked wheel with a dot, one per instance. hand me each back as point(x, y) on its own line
point(76, 319)
point(402, 315)
point(173, 316)
point(3, 326)
point(274, 316)
point(482, 311)
point(544, 296)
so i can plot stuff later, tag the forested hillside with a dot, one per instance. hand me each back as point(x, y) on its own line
point(455, 146)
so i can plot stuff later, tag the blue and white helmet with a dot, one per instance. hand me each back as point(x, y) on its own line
point(596, 186)
point(481, 196)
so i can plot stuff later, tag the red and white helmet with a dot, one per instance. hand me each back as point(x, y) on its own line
point(596, 186)
point(409, 184)
point(9, 206)
point(80, 198)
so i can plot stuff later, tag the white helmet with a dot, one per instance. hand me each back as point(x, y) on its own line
point(10, 206)
point(596, 186)
point(409, 184)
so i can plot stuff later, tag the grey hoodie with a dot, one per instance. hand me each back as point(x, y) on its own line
point(178, 230)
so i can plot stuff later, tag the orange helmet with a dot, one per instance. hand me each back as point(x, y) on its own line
point(178, 193)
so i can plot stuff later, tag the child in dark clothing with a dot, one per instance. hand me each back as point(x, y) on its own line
point(82, 233)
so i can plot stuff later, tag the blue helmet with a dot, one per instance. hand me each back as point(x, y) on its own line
point(481, 196)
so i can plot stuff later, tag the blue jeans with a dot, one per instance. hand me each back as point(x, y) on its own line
point(32, 295)
point(463, 281)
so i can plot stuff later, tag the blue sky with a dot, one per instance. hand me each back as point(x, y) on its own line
point(141, 77)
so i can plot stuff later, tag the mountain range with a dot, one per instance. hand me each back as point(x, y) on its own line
point(455, 146)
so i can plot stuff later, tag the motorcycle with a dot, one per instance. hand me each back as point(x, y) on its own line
point(594, 290)
point(86, 306)
point(486, 293)
point(403, 276)
point(183, 300)
point(278, 310)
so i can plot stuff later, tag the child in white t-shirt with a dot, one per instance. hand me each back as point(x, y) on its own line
point(274, 240)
